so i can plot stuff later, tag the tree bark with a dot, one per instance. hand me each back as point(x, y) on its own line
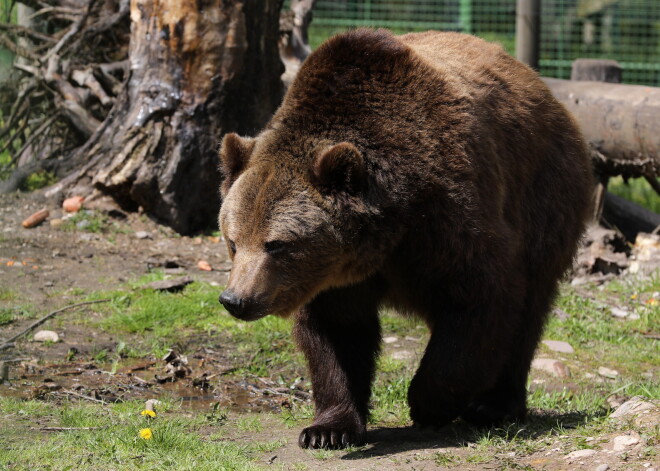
point(620, 122)
point(197, 70)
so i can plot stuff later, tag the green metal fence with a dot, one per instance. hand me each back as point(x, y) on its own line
point(625, 30)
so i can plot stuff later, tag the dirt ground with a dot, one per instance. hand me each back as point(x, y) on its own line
point(52, 267)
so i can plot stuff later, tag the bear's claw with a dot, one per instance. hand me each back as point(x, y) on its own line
point(320, 436)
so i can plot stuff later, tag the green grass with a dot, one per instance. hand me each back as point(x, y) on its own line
point(177, 441)
point(7, 294)
point(38, 180)
point(146, 322)
point(636, 190)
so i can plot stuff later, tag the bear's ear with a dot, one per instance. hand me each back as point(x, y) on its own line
point(339, 168)
point(234, 154)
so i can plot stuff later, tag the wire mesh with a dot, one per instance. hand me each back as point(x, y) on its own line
point(625, 30)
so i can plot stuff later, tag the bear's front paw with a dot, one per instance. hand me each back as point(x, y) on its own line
point(330, 437)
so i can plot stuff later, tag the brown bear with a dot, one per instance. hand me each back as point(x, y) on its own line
point(429, 172)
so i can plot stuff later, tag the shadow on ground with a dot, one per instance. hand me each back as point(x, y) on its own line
point(391, 441)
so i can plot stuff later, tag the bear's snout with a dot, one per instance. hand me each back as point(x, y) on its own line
point(237, 306)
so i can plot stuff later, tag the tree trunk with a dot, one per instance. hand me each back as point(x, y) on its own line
point(198, 69)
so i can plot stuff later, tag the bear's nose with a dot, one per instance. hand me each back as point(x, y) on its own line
point(232, 303)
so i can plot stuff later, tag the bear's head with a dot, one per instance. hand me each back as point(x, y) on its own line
point(286, 219)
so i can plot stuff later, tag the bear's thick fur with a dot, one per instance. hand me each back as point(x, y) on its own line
point(430, 172)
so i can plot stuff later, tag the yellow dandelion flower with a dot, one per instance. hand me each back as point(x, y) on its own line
point(634, 296)
point(146, 434)
point(148, 413)
point(652, 302)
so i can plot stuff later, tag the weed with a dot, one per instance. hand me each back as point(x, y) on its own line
point(38, 180)
point(6, 294)
point(6, 316)
point(249, 424)
point(446, 459)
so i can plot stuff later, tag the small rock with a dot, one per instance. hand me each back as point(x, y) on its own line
point(46, 336)
point(554, 367)
point(620, 313)
point(576, 455)
point(637, 408)
point(55, 223)
point(624, 441)
point(608, 372)
point(73, 204)
point(615, 401)
point(558, 346)
point(390, 339)
point(143, 235)
point(82, 224)
point(204, 265)
point(603, 467)
point(171, 286)
point(402, 355)
point(49, 284)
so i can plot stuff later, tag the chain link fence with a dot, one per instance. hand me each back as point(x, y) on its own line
point(625, 30)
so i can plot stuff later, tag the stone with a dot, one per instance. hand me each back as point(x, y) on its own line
point(143, 235)
point(608, 373)
point(402, 355)
point(560, 314)
point(559, 346)
point(603, 467)
point(622, 442)
point(204, 265)
point(55, 223)
point(615, 401)
point(632, 408)
point(73, 204)
point(576, 455)
point(620, 313)
point(46, 336)
point(171, 286)
point(554, 367)
point(390, 339)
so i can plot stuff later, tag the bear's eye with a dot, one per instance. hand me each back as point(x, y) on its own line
point(232, 247)
point(275, 246)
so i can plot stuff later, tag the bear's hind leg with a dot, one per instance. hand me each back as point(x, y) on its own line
point(339, 333)
point(463, 358)
point(507, 401)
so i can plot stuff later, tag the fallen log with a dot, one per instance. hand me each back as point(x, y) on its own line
point(620, 122)
point(628, 217)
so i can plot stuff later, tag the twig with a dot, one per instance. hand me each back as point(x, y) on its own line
point(17, 109)
point(64, 429)
point(15, 48)
point(75, 29)
point(37, 134)
point(68, 392)
point(10, 140)
point(27, 32)
point(68, 13)
point(653, 182)
point(48, 316)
